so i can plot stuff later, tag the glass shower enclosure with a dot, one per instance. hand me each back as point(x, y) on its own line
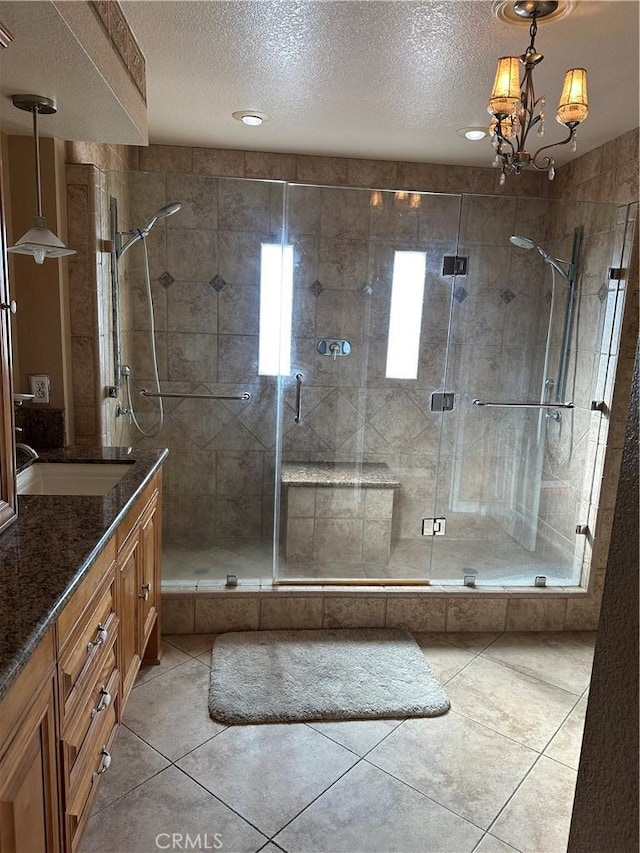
point(344, 373)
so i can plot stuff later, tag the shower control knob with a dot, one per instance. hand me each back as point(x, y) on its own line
point(11, 306)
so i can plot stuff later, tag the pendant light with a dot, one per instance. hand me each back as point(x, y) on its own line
point(516, 109)
point(39, 241)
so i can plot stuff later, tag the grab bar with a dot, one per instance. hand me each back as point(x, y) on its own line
point(524, 405)
point(299, 379)
point(244, 396)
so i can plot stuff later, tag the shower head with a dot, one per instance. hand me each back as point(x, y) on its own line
point(140, 233)
point(523, 242)
point(167, 210)
point(528, 243)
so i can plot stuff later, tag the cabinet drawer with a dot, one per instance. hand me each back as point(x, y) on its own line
point(81, 598)
point(90, 764)
point(85, 652)
point(96, 703)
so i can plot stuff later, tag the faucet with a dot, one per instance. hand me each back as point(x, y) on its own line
point(29, 452)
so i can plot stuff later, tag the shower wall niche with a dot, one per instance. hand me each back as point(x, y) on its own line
point(511, 483)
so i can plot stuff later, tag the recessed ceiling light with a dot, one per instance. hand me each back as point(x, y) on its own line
point(472, 133)
point(251, 117)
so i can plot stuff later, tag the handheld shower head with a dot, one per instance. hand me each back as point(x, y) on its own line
point(528, 243)
point(140, 233)
point(523, 242)
point(167, 210)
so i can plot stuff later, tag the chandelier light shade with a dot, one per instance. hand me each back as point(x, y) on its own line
point(574, 101)
point(505, 95)
point(39, 241)
point(516, 109)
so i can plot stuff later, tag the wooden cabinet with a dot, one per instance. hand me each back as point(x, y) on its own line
point(60, 717)
point(139, 566)
point(29, 802)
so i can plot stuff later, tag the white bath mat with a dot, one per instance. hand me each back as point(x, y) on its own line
point(300, 676)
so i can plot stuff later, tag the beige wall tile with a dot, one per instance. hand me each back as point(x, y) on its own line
point(301, 501)
point(220, 162)
point(372, 173)
point(531, 615)
point(166, 158)
point(261, 164)
point(336, 539)
point(178, 614)
point(226, 612)
point(354, 612)
point(295, 612)
point(416, 613)
point(322, 170)
point(299, 540)
point(476, 614)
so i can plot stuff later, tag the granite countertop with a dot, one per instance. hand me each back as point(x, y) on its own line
point(47, 551)
point(369, 475)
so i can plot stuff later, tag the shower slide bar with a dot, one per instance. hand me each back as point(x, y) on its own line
point(244, 396)
point(524, 405)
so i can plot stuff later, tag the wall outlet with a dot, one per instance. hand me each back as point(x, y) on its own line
point(40, 387)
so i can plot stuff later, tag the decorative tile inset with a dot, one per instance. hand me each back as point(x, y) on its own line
point(507, 296)
point(166, 279)
point(316, 288)
point(366, 289)
point(460, 293)
point(217, 283)
point(603, 293)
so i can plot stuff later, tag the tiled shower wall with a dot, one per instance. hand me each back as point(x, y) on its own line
point(204, 265)
point(617, 178)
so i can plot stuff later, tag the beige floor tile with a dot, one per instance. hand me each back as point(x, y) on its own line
point(539, 815)
point(132, 763)
point(458, 763)
point(567, 743)
point(445, 659)
point(192, 644)
point(510, 702)
point(369, 810)
point(552, 657)
point(473, 641)
point(268, 773)
point(171, 712)
point(359, 736)
point(171, 656)
point(489, 844)
point(168, 803)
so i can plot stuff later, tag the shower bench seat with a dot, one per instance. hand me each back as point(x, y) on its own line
point(334, 512)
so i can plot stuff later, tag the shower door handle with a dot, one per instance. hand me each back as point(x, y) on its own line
point(298, 416)
point(524, 405)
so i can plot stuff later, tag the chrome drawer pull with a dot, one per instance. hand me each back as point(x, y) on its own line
point(104, 764)
point(100, 639)
point(103, 704)
point(146, 589)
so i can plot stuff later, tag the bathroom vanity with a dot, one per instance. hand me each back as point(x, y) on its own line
point(80, 583)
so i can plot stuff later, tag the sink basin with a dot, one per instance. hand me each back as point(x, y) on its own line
point(70, 478)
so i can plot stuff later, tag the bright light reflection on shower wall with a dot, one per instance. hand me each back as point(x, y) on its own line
point(276, 299)
point(405, 322)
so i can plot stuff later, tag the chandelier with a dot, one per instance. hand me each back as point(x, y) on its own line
point(516, 111)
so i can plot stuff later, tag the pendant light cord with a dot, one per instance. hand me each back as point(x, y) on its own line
point(37, 156)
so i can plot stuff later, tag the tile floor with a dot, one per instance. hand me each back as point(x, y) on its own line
point(493, 775)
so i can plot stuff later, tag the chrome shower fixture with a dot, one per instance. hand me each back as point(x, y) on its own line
point(140, 233)
point(528, 243)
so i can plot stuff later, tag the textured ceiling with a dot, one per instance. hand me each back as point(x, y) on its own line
point(391, 80)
